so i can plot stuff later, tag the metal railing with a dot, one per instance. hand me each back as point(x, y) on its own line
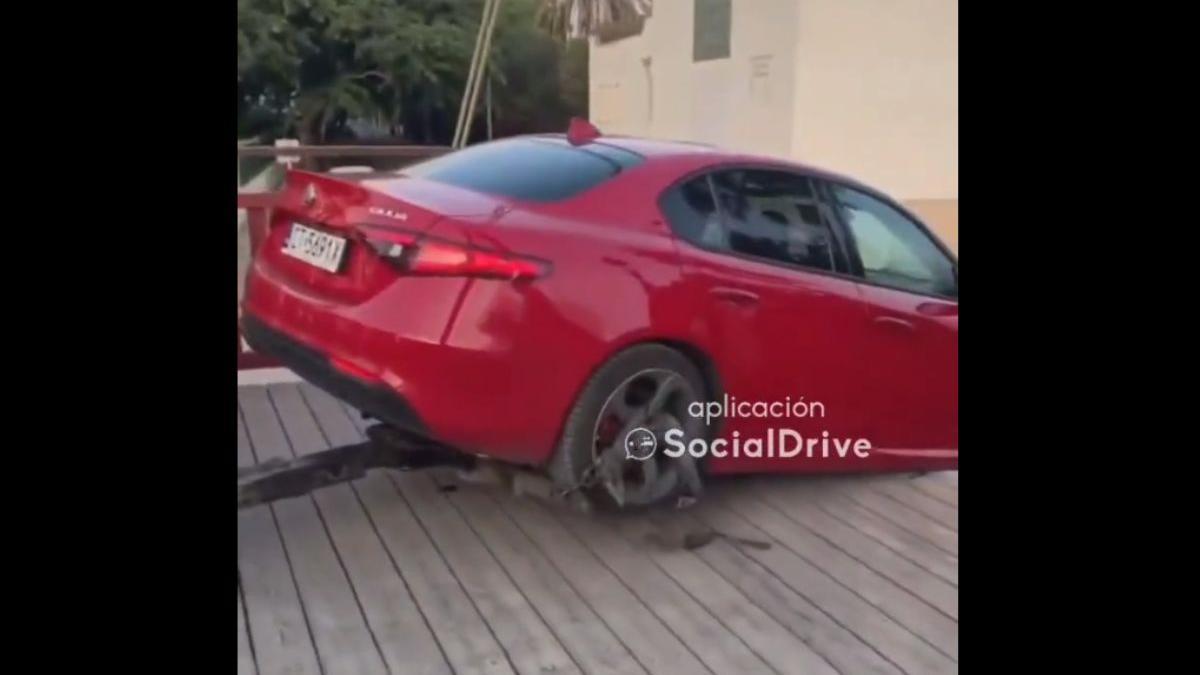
point(407, 151)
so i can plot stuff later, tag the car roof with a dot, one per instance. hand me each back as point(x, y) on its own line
point(646, 147)
point(703, 154)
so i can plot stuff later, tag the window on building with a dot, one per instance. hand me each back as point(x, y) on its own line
point(711, 30)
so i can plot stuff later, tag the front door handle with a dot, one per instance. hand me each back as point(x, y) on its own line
point(895, 323)
point(938, 308)
point(736, 296)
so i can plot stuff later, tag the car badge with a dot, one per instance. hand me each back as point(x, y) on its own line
point(310, 195)
point(388, 213)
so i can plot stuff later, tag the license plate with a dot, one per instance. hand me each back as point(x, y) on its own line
point(315, 247)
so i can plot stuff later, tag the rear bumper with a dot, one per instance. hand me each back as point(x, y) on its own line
point(447, 358)
point(379, 401)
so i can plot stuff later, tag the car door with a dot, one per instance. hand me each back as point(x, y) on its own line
point(775, 306)
point(909, 284)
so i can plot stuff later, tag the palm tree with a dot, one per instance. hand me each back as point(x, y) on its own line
point(567, 19)
point(563, 19)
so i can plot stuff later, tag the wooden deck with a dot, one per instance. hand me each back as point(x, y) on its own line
point(394, 573)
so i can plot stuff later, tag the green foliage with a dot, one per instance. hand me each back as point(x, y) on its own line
point(527, 67)
point(573, 77)
point(306, 67)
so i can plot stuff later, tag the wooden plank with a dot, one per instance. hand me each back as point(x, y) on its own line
point(938, 489)
point(945, 477)
point(584, 634)
point(339, 629)
point(904, 543)
point(519, 627)
point(655, 646)
point(888, 637)
point(852, 634)
point(834, 642)
point(931, 625)
point(720, 649)
point(354, 415)
point(468, 643)
point(399, 629)
point(768, 639)
point(245, 662)
point(935, 533)
point(245, 454)
point(801, 507)
point(911, 498)
point(527, 639)
point(275, 616)
point(932, 486)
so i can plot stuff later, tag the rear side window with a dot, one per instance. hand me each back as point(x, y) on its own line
point(692, 210)
point(772, 215)
point(529, 169)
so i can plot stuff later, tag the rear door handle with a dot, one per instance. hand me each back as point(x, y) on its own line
point(736, 296)
point(895, 323)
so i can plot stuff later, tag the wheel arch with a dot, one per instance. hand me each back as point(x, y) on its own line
point(701, 358)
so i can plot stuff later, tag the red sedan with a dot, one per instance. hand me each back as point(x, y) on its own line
point(626, 315)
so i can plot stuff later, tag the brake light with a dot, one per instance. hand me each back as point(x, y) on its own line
point(430, 257)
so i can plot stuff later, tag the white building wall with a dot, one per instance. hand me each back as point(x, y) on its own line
point(742, 102)
point(876, 93)
point(868, 88)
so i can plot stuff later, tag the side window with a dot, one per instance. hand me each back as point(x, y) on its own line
point(894, 250)
point(773, 215)
point(692, 212)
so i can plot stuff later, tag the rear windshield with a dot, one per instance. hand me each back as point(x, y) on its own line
point(529, 169)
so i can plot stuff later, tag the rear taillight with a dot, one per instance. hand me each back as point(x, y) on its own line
point(416, 255)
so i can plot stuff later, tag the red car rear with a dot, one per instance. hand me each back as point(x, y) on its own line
point(564, 305)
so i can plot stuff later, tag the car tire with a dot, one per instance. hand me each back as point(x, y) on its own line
point(576, 451)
